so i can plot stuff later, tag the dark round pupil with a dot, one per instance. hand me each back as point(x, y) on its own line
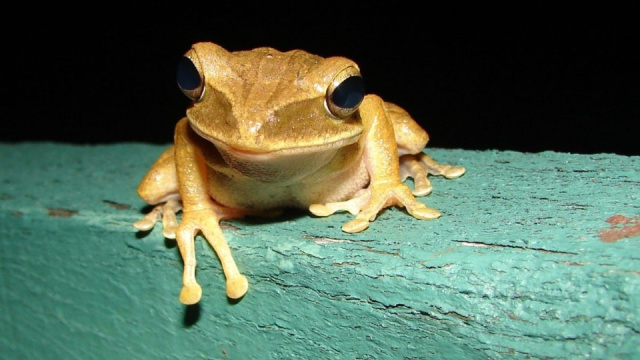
point(349, 93)
point(187, 74)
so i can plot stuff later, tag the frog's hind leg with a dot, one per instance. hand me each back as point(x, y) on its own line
point(419, 166)
point(206, 221)
point(159, 187)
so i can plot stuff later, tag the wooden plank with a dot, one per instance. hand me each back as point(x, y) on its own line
point(522, 264)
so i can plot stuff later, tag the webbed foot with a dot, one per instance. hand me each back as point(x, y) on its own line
point(419, 166)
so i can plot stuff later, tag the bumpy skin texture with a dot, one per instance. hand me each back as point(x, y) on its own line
point(262, 134)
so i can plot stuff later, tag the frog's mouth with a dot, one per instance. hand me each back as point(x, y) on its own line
point(286, 165)
point(279, 154)
point(282, 153)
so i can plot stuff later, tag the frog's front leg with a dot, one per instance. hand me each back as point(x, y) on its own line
point(206, 221)
point(381, 160)
point(200, 214)
point(159, 187)
point(165, 213)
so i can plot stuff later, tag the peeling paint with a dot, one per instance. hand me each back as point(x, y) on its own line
point(61, 213)
point(630, 228)
point(116, 205)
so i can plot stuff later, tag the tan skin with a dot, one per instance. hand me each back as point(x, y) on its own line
point(265, 132)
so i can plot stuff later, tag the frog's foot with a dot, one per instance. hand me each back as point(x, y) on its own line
point(190, 293)
point(237, 286)
point(352, 205)
point(367, 203)
point(419, 166)
point(206, 221)
point(165, 211)
point(387, 194)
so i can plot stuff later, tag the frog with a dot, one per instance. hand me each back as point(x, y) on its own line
point(268, 130)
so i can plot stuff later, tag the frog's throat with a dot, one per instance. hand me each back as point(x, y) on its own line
point(257, 155)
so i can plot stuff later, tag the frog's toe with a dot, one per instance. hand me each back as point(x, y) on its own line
point(149, 221)
point(320, 210)
point(423, 212)
point(144, 224)
point(237, 287)
point(355, 225)
point(190, 294)
point(422, 188)
point(432, 167)
point(169, 225)
point(169, 232)
point(421, 184)
point(454, 172)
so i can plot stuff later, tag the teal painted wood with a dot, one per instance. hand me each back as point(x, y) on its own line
point(515, 267)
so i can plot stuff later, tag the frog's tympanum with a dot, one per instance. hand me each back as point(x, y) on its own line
point(269, 130)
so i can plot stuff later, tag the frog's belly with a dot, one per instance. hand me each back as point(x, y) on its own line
point(325, 185)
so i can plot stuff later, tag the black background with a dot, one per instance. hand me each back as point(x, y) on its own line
point(524, 79)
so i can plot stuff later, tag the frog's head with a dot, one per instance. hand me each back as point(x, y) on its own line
point(264, 101)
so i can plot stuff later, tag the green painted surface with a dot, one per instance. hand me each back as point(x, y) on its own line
point(514, 268)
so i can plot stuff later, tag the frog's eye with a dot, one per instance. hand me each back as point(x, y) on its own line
point(345, 93)
point(189, 76)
